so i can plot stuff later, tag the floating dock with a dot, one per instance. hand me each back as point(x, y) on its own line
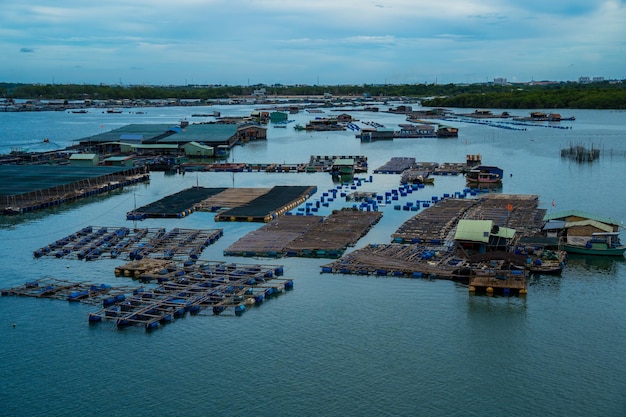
point(277, 201)
point(306, 236)
point(95, 242)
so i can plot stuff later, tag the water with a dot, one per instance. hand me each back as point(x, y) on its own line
point(335, 345)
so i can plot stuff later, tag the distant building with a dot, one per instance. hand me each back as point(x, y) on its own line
point(598, 79)
point(500, 81)
point(84, 160)
point(584, 80)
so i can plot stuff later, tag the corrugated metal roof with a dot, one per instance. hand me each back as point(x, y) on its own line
point(146, 131)
point(207, 133)
point(596, 224)
point(83, 156)
point(563, 214)
point(473, 230)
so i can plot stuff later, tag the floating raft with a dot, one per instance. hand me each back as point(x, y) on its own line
point(85, 292)
point(435, 223)
point(230, 198)
point(176, 205)
point(277, 201)
point(424, 246)
point(95, 242)
point(307, 236)
point(217, 286)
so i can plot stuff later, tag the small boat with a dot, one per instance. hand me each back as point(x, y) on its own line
point(83, 111)
point(605, 244)
point(484, 174)
point(113, 111)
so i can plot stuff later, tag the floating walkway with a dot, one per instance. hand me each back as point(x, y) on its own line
point(307, 236)
point(215, 286)
point(277, 201)
point(94, 242)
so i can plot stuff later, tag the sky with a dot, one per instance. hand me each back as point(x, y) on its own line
point(312, 42)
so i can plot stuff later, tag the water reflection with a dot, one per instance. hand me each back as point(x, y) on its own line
point(584, 264)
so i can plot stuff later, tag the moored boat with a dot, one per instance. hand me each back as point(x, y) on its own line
point(484, 174)
point(605, 244)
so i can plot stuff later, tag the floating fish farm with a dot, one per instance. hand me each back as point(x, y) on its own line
point(270, 205)
point(424, 246)
point(307, 236)
point(27, 188)
point(93, 242)
point(214, 286)
point(174, 206)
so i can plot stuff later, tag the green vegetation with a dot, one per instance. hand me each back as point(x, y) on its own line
point(598, 95)
point(566, 96)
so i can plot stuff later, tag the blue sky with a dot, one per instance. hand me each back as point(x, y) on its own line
point(237, 42)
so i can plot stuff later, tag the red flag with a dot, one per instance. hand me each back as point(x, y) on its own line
point(553, 205)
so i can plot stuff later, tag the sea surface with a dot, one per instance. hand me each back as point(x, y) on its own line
point(336, 345)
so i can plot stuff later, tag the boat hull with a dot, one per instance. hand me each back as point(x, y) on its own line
point(617, 251)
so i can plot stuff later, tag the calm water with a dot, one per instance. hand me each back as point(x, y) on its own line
point(335, 345)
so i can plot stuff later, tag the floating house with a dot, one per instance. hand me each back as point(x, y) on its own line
point(583, 232)
point(481, 236)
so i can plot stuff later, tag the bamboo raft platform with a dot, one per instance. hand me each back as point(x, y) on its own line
point(424, 246)
point(271, 239)
point(274, 203)
point(95, 242)
point(230, 198)
point(435, 223)
point(332, 237)
point(431, 262)
point(218, 286)
point(306, 236)
point(519, 212)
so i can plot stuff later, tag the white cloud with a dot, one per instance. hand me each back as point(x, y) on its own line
point(346, 40)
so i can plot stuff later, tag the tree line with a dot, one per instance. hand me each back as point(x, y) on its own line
point(597, 95)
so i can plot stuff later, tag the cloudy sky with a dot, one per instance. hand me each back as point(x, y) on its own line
point(240, 42)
